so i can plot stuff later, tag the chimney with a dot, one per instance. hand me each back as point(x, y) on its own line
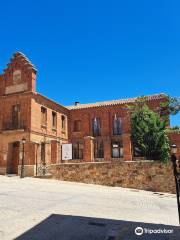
point(77, 103)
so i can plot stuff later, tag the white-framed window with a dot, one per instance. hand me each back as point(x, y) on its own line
point(116, 149)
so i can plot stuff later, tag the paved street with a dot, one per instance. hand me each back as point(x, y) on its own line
point(38, 208)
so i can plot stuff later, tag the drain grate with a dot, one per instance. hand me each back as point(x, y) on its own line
point(159, 194)
point(97, 224)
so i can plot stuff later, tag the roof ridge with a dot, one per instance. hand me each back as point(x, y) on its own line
point(114, 102)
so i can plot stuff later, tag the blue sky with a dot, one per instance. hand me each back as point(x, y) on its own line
point(96, 50)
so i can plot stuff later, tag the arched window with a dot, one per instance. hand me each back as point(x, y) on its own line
point(117, 125)
point(116, 149)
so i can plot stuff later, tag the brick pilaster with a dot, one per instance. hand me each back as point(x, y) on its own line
point(127, 147)
point(88, 149)
point(55, 152)
point(107, 149)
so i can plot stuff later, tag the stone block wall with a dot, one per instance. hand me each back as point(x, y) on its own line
point(29, 170)
point(144, 175)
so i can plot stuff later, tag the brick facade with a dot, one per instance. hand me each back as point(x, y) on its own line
point(98, 132)
point(175, 139)
point(20, 117)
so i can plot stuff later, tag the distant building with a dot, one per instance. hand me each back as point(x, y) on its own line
point(98, 132)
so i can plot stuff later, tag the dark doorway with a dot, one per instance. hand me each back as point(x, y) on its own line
point(13, 158)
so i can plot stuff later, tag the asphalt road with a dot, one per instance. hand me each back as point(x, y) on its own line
point(40, 209)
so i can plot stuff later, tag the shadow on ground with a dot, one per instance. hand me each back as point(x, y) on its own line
point(64, 227)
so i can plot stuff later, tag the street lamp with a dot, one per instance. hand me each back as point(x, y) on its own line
point(176, 175)
point(173, 149)
point(22, 163)
point(37, 146)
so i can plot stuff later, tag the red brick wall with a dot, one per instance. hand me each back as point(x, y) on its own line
point(30, 153)
point(2, 85)
point(28, 74)
point(55, 152)
point(106, 114)
point(23, 93)
point(175, 139)
point(6, 103)
point(30, 116)
point(37, 102)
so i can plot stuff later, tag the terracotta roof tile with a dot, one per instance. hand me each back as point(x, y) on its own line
point(114, 102)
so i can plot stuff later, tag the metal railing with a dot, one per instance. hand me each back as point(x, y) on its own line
point(176, 171)
point(10, 125)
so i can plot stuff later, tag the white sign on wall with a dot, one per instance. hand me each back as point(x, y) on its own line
point(67, 151)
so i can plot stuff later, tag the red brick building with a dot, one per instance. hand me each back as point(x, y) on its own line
point(98, 132)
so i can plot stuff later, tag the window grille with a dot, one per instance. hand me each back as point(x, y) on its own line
point(116, 149)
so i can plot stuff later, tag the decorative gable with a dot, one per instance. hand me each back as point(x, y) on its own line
point(19, 76)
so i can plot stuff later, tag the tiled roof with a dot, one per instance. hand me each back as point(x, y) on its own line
point(115, 102)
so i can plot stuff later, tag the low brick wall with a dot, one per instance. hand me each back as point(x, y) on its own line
point(146, 175)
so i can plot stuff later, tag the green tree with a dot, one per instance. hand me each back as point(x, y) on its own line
point(170, 107)
point(148, 132)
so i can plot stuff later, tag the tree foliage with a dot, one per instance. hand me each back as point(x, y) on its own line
point(171, 106)
point(148, 132)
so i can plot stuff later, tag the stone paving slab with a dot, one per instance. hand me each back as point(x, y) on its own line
point(64, 209)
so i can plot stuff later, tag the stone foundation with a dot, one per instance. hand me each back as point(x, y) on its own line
point(2, 170)
point(145, 175)
point(29, 170)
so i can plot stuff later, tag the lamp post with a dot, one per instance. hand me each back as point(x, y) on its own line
point(36, 158)
point(176, 175)
point(22, 163)
point(44, 168)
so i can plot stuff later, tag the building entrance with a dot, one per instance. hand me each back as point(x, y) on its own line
point(13, 158)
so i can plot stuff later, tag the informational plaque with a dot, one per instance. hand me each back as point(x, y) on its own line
point(67, 151)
